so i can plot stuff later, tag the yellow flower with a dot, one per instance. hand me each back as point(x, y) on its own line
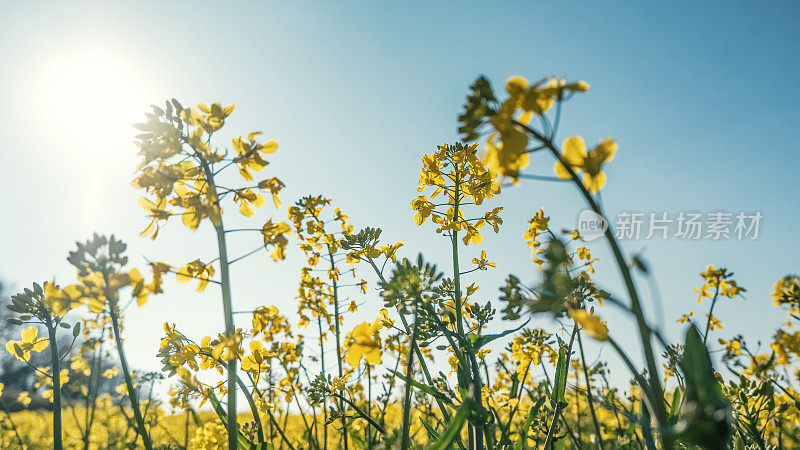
point(196, 269)
point(591, 163)
point(423, 209)
point(275, 235)
point(249, 154)
point(685, 318)
point(453, 361)
point(364, 341)
point(257, 362)
point(595, 327)
point(483, 263)
point(733, 347)
point(248, 201)
point(212, 121)
point(389, 251)
point(157, 213)
point(386, 321)
point(24, 398)
point(274, 185)
point(228, 347)
point(338, 383)
point(30, 342)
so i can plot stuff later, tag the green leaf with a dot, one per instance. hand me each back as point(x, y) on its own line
point(523, 432)
point(424, 388)
point(354, 436)
point(432, 433)
point(676, 403)
point(560, 386)
point(453, 428)
point(704, 417)
point(198, 422)
point(241, 439)
point(480, 341)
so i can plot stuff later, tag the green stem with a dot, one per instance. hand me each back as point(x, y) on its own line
point(55, 362)
point(253, 410)
point(420, 356)
point(325, 399)
point(645, 334)
point(227, 304)
point(132, 396)
point(710, 314)
point(559, 406)
point(589, 391)
point(11, 421)
point(338, 338)
point(406, 436)
point(230, 330)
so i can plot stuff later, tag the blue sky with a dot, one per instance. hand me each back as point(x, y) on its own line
point(702, 98)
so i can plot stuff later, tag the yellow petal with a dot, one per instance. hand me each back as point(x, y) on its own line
point(29, 334)
point(574, 150)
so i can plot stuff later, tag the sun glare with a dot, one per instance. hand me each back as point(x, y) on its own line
point(93, 99)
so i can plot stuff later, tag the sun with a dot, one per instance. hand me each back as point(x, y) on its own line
point(92, 99)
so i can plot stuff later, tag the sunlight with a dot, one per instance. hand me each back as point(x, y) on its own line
point(92, 99)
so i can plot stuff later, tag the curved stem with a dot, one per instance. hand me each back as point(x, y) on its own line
point(589, 391)
point(645, 334)
point(253, 410)
point(132, 395)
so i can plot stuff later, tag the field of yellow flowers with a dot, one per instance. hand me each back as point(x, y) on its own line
point(376, 385)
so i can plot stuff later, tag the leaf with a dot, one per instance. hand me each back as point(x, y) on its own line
point(241, 439)
point(424, 388)
point(432, 433)
point(453, 428)
point(198, 422)
point(560, 386)
point(523, 432)
point(359, 443)
point(704, 417)
point(480, 341)
point(676, 403)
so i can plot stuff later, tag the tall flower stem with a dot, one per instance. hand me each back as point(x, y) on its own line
point(325, 399)
point(645, 333)
point(230, 330)
point(132, 394)
point(589, 392)
point(475, 433)
point(338, 337)
point(227, 304)
point(55, 362)
point(406, 436)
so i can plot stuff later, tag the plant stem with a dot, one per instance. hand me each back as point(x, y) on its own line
point(710, 314)
point(227, 303)
point(406, 436)
point(253, 410)
point(55, 362)
point(589, 391)
point(132, 396)
point(338, 337)
point(645, 334)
